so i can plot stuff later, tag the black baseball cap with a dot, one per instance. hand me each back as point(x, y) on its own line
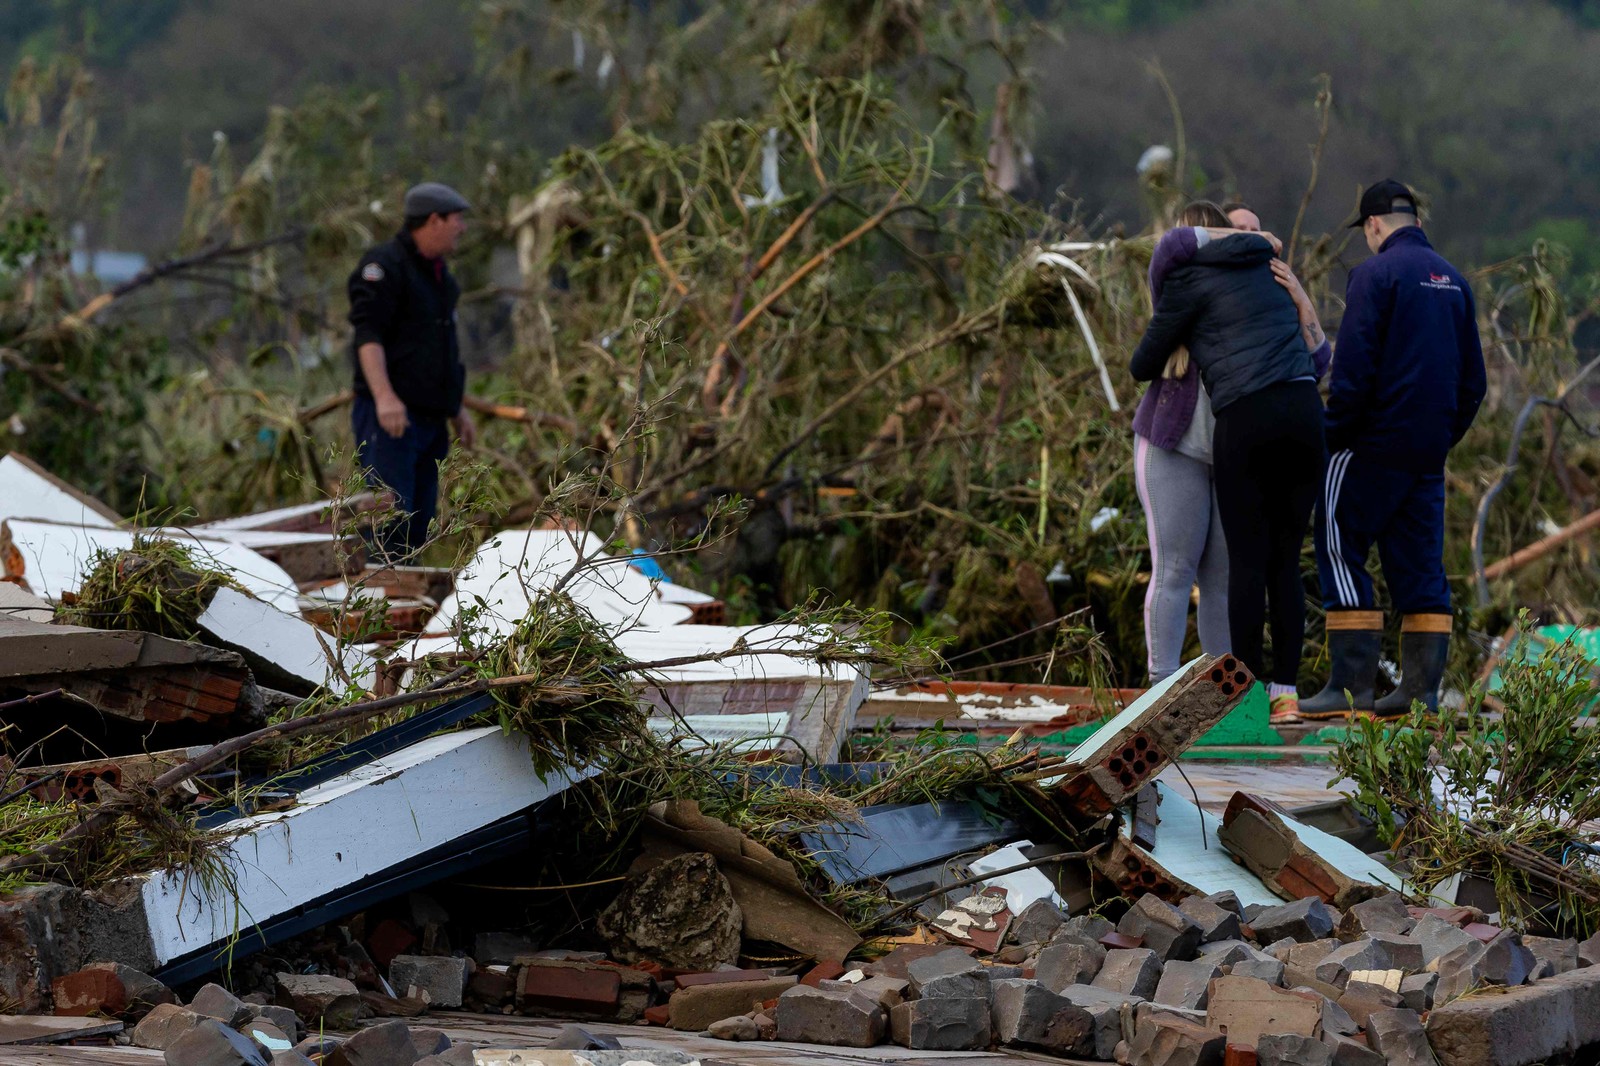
point(1381, 199)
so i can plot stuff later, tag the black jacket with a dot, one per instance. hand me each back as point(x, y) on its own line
point(1239, 323)
point(407, 303)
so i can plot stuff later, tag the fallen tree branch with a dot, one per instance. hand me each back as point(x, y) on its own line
point(1542, 547)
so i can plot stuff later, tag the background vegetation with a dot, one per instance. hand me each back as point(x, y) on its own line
point(849, 336)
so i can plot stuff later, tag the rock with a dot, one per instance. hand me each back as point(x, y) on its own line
point(895, 963)
point(321, 1001)
point(1061, 965)
point(889, 991)
point(460, 1055)
point(1184, 984)
point(1398, 1036)
point(1384, 914)
point(438, 979)
point(1228, 952)
point(1268, 970)
point(739, 1027)
point(1165, 929)
point(1438, 937)
point(694, 1009)
point(1519, 1026)
point(282, 1017)
point(1215, 922)
point(1335, 1019)
point(430, 1041)
point(210, 1043)
point(681, 914)
point(1279, 949)
point(1292, 1049)
point(384, 1044)
point(1228, 900)
point(1026, 1014)
point(577, 1038)
point(269, 1036)
point(1417, 991)
point(318, 1046)
point(1336, 967)
point(1163, 1040)
point(1589, 951)
point(948, 1023)
point(1361, 1001)
point(1105, 1013)
point(1405, 952)
point(165, 1023)
point(1506, 960)
point(217, 1002)
point(500, 948)
point(294, 1058)
point(838, 1019)
point(109, 989)
point(951, 973)
point(1302, 921)
point(1309, 955)
point(1461, 970)
point(1348, 1051)
point(1245, 1008)
point(1038, 921)
point(1133, 972)
point(1083, 929)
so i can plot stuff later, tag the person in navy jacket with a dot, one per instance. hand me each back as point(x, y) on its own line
point(1406, 383)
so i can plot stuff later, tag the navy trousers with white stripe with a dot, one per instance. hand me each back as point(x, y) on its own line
point(1364, 503)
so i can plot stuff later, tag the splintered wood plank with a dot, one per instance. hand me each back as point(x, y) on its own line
point(16, 1055)
point(45, 1029)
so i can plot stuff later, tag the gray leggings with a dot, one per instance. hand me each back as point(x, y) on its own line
point(1186, 547)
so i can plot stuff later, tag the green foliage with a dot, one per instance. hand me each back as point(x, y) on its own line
point(157, 587)
point(1501, 795)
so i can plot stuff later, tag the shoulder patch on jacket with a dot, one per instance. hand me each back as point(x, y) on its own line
point(372, 272)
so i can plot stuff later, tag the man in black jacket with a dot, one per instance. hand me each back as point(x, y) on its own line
point(409, 381)
point(1407, 380)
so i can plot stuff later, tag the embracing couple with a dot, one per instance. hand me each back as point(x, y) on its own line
point(1232, 449)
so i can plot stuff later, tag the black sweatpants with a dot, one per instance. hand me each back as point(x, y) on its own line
point(1268, 458)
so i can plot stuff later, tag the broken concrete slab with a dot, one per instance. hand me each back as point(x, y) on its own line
point(1244, 1008)
point(1165, 1040)
point(1398, 1035)
point(1387, 913)
point(1185, 984)
point(1108, 769)
point(1439, 937)
point(438, 979)
point(320, 1001)
point(1215, 922)
point(696, 1007)
point(1519, 1026)
point(1292, 1049)
point(944, 1024)
point(1304, 920)
point(1026, 1014)
point(948, 974)
point(838, 1019)
point(1165, 929)
point(1061, 965)
point(407, 802)
point(1131, 972)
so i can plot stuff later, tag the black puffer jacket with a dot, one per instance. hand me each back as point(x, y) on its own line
point(407, 303)
point(1239, 323)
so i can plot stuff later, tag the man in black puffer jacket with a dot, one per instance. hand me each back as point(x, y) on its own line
point(1243, 331)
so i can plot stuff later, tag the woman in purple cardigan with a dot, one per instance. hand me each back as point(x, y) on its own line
point(1173, 472)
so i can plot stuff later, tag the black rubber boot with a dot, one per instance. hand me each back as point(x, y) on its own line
point(1354, 640)
point(1424, 648)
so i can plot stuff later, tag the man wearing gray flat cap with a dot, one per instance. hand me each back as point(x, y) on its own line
point(409, 381)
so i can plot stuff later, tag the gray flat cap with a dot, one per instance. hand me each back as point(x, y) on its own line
point(434, 198)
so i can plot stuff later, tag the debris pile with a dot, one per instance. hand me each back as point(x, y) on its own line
point(216, 784)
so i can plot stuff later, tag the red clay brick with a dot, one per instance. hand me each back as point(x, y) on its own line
point(722, 977)
point(570, 986)
point(826, 970)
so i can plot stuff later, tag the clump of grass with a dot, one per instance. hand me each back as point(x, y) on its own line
point(575, 706)
point(157, 586)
